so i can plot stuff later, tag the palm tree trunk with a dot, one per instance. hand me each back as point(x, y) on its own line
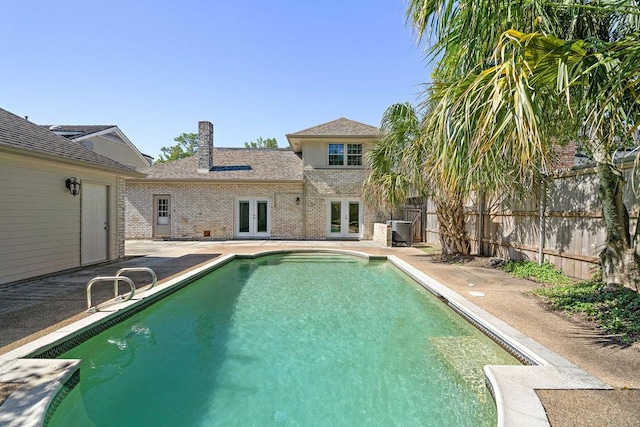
point(619, 259)
point(454, 239)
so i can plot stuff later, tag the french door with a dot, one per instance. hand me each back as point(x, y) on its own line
point(252, 218)
point(345, 218)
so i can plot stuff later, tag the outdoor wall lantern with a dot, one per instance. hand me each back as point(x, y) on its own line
point(297, 200)
point(73, 185)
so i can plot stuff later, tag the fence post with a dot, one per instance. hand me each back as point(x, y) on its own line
point(541, 230)
point(480, 224)
point(423, 219)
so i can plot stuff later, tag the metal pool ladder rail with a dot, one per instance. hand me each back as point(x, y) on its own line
point(116, 279)
point(154, 278)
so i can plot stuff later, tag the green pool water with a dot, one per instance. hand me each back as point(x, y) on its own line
point(304, 340)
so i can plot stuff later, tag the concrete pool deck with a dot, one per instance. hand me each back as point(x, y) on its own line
point(61, 299)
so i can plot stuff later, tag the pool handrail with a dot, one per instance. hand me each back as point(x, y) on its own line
point(154, 277)
point(115, 280)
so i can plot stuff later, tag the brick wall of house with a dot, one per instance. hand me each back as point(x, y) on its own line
point(200, 207)
point(321, 185)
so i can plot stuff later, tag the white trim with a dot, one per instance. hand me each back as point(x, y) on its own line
point(92, 134)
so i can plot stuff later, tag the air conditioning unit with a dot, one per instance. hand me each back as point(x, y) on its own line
point(402, 233)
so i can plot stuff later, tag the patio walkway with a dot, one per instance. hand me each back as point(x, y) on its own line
point(31, 309)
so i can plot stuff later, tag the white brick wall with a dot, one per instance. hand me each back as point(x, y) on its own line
point(204, 206)
point(324, 184)
point(382, 234)
point(200, 207)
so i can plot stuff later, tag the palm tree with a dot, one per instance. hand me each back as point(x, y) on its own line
point(500, 93)
point(396, 172)
point(387, 186)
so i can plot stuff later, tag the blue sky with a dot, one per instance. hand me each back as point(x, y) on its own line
point(252, 68)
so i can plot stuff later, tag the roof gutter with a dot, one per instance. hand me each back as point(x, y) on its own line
point(367, 137)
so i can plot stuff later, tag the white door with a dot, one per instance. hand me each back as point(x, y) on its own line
point(252, 218)
point(162, 216)
point(95, 223)
point(345, 218)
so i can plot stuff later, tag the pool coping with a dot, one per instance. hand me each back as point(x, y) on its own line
point(513, 387)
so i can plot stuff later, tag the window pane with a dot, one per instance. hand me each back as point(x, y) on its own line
point(335, 217)
point(354, 154)
point(336, 149)
point(243, 217)
point(354, 217)
point(354, 149)
point(163, 212)
point(262, 217)
point(336, 154)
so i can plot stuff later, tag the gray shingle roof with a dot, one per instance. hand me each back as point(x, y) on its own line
point(18, 134)
point(264, 164)
point(339, 127)
point(77, 130)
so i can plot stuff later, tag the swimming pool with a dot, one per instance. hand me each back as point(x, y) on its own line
point(305, 339)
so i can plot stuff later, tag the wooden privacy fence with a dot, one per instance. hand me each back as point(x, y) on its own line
point(572, 227)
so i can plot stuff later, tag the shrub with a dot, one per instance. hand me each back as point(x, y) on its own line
point(545, 273)
point(616, 311)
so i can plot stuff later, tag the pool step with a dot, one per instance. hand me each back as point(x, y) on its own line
point(466, 355)
point(319, 259)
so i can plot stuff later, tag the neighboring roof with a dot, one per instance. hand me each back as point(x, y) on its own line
point(23, 137)
point(76, 131)
point(79, 133)
point(339, 127)
point(233, 164)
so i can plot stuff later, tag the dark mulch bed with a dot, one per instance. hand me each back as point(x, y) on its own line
point(6, 389)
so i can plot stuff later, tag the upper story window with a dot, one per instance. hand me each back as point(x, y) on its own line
point(337, 155)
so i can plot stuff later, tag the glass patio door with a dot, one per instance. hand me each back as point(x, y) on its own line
point(252, 219)
point(345, 218)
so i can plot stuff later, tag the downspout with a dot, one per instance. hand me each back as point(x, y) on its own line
point(304, 209)
point(541, 226)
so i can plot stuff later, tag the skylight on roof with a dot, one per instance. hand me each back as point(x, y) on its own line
point(230, 168)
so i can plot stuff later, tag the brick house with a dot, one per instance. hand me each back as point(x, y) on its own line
point(311, 190)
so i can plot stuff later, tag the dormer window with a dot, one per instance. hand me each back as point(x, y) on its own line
point(337, 155)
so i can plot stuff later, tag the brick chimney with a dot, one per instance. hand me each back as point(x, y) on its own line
point(205, 146)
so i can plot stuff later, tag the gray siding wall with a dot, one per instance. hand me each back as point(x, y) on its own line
point(40, 220)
